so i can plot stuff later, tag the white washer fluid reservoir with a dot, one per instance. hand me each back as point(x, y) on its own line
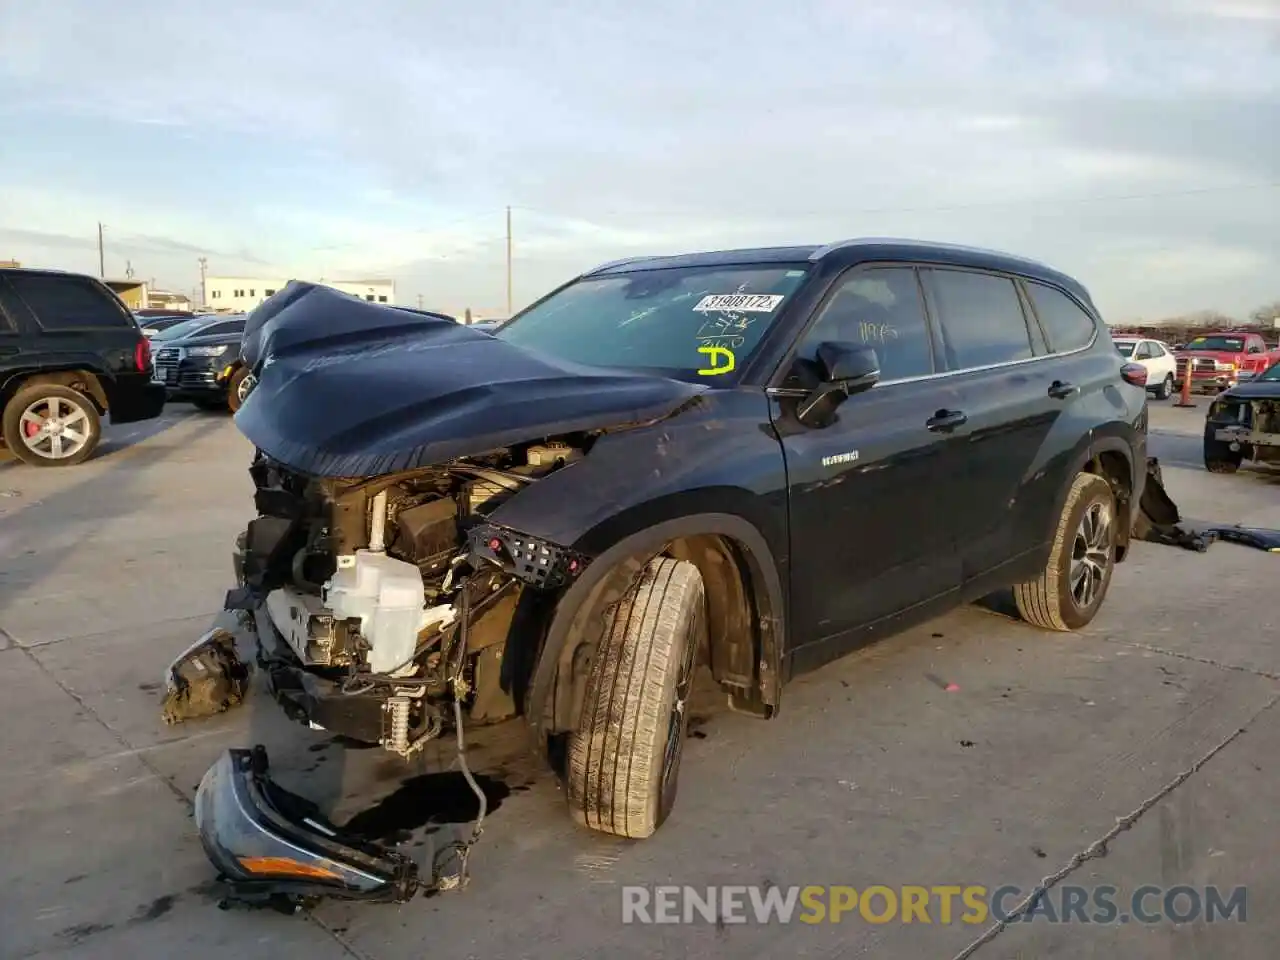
point(387, 596)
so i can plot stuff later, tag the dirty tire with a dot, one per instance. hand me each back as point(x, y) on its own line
point(233, 389)
point(73, 405)
point(1047, 602)
point(624, 760)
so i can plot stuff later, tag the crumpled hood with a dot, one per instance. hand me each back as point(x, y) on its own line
point(354, 389)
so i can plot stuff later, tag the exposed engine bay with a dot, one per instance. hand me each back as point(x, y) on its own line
point(1251, 426)
point(377, 602)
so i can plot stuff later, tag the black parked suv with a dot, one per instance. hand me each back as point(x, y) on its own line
point(198, 361)
point(752, 460)
point(70, 352)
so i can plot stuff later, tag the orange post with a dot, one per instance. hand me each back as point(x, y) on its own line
point(1185, 399)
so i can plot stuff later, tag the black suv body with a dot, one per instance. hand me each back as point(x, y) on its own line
point(198, 361)
point(70, 352)
point(752, 461)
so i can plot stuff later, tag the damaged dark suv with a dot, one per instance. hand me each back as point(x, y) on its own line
point(753, 461)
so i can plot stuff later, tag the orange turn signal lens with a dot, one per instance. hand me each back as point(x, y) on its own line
point(287, 866)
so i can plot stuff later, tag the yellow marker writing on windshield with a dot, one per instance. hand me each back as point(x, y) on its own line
point(713, 352)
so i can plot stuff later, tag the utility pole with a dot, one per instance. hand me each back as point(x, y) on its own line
point(508, 261)
point(204, 266)
point(419, 301)
point(102, 260)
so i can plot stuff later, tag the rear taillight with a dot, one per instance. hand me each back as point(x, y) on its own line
point(142, 355)
point(1134, 373)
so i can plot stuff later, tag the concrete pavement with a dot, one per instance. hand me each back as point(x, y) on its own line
point(1140, 752)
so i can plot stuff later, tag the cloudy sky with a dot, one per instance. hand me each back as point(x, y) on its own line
point(1135, 143)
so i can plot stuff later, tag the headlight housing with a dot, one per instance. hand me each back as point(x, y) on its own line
point(206, 351)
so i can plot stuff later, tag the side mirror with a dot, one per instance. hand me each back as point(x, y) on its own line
point(845, 369)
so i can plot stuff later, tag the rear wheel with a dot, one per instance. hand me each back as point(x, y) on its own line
point(48, 425)
point(624, 760)
point(1070, 591)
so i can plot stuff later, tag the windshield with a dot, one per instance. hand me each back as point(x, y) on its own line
point(160, 323)
point(180, 330)
point(686, 322)
point(1271, 373)
point(1125, 347)
point(1216, 343)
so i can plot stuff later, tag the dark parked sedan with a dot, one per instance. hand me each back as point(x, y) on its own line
point(197, 361)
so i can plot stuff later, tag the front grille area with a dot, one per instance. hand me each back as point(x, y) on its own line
point(1199, 365)
point(165, 365)
point(189, 379)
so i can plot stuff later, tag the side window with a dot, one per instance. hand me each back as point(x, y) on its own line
point(1157, 349)
point(68, 302)
point(1069, 327)
point(219, 329)
point(882, 308)
point(1255, 345)
point(981, 318)
point(1143, 352)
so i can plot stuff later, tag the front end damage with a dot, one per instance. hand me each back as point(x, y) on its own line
point(385, 601)
point(388, 611)
point(1249, 427)
point(377, 603)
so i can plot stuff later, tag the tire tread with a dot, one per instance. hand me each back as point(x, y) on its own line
point(619, 749)
point(1038, 600)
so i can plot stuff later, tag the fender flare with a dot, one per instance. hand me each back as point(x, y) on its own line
point(97, 382)
point(1084, 455)
point(549, 703)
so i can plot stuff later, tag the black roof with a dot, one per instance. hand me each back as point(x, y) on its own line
point(849, 252)
point(50, 271)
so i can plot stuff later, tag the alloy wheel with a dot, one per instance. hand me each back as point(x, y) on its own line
point(55, 428)
point(247, 383)
point(1091, 554)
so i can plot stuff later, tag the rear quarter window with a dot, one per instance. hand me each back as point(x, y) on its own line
point(69, 303)
point(1067, 326)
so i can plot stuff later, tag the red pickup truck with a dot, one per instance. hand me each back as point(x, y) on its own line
point(1219, 361)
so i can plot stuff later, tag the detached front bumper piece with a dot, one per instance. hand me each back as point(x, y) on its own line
point(274, 849)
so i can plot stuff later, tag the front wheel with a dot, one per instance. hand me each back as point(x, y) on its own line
point(238, 388)
point(1220, 458)
point(1070, 591)
point(1165, 390)
point(48, 425)
point(625, 757)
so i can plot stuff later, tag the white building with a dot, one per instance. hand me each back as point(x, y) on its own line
point(240, 294)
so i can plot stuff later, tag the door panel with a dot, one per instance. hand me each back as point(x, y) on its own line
point(871, 519)
point(872, 507)
point(1011, 415)
point(1011, 398)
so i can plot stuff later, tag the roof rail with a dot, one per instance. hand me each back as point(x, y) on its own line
point(832, 247)
point(617, 263)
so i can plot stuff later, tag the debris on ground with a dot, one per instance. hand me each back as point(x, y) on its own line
point(207, 679)
point(1159, 521)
